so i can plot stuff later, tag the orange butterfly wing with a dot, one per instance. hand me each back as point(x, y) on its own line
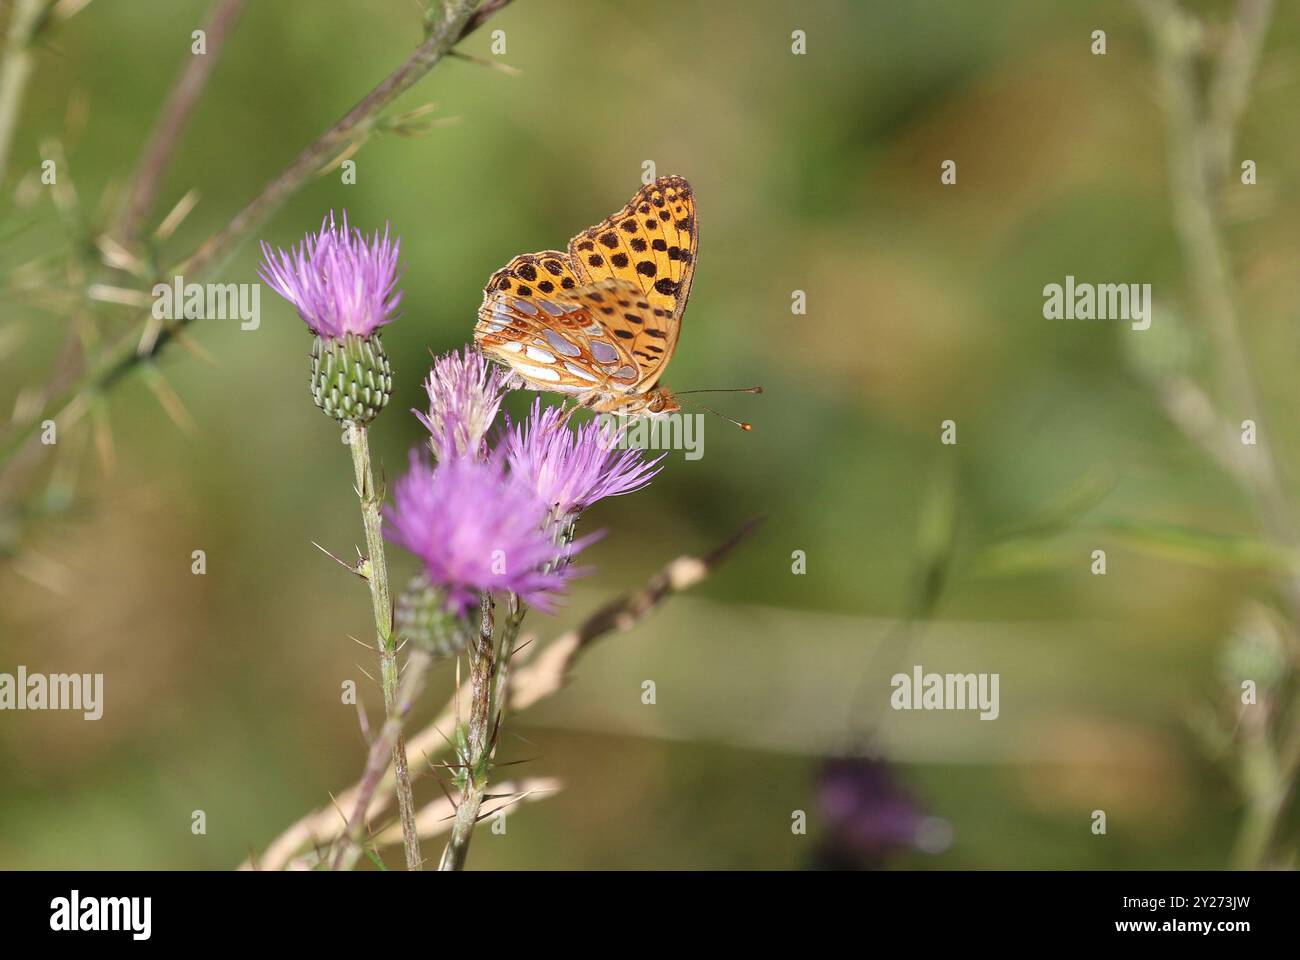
point(650, 244)
point(583, 321)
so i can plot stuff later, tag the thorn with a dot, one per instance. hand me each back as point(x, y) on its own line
point(176, 216)
point(168, 398)
point(368, 676)
point(335, 803)
point(107, 293)
point(193, 347)
point(445, 737)
point(361, 643)
point(118, 257)
point(347, 153)
point(103, 428)
point(446, 792)
point(364, 721)
point(490, 64)
point(153, 328)
point(355, 571)
point(456, 695)
point(515, 733)
point(495, 810)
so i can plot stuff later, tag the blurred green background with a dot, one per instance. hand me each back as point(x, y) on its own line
point(818, 173)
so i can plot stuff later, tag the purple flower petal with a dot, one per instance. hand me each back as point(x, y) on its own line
point(477, 529)
point(339, 280)
point(570, 470)
point(465, 393)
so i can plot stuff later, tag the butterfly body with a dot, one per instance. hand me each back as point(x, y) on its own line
point(600, 322)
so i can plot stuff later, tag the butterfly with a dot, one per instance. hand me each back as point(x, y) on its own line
point(600, 322)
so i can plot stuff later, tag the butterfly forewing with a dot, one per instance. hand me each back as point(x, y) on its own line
point(607, 314)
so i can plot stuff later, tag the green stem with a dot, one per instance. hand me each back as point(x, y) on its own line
point(379, 759)
point(1201, 134)
point(377, 575)
point(1266, 791)
point(15, 71)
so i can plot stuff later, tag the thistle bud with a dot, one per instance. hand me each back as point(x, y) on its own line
point(344, 286)
point(350, 378)
point(421, 616)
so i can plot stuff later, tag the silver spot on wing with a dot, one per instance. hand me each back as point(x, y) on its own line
point(561, 346)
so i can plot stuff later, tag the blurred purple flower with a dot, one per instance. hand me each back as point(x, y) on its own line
point(570, 470)
point(465, 392)
point(339, 280)
point(869, 815)
point(477, 529)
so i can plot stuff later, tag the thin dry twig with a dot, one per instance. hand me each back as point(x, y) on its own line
point(148, 178)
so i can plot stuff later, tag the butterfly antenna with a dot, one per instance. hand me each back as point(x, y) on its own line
point(743, 424)
point(678, 393)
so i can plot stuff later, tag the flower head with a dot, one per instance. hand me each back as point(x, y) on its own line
point(339, 280)
point(571, 469)
point(465, 392)
point(477, 529)
point(870, 815)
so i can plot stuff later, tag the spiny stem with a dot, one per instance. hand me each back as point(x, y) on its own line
point(377, 575)
point(381, 752)
point(478, 738)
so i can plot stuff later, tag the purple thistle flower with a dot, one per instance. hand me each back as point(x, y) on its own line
point(570, 470)
point(465, 393)
point(477, 529)
point(339, 280)
point(870, 815)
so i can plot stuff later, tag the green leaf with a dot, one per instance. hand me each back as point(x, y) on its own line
point(1067, 507)
point(1026, 555)
point(1202, 548)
